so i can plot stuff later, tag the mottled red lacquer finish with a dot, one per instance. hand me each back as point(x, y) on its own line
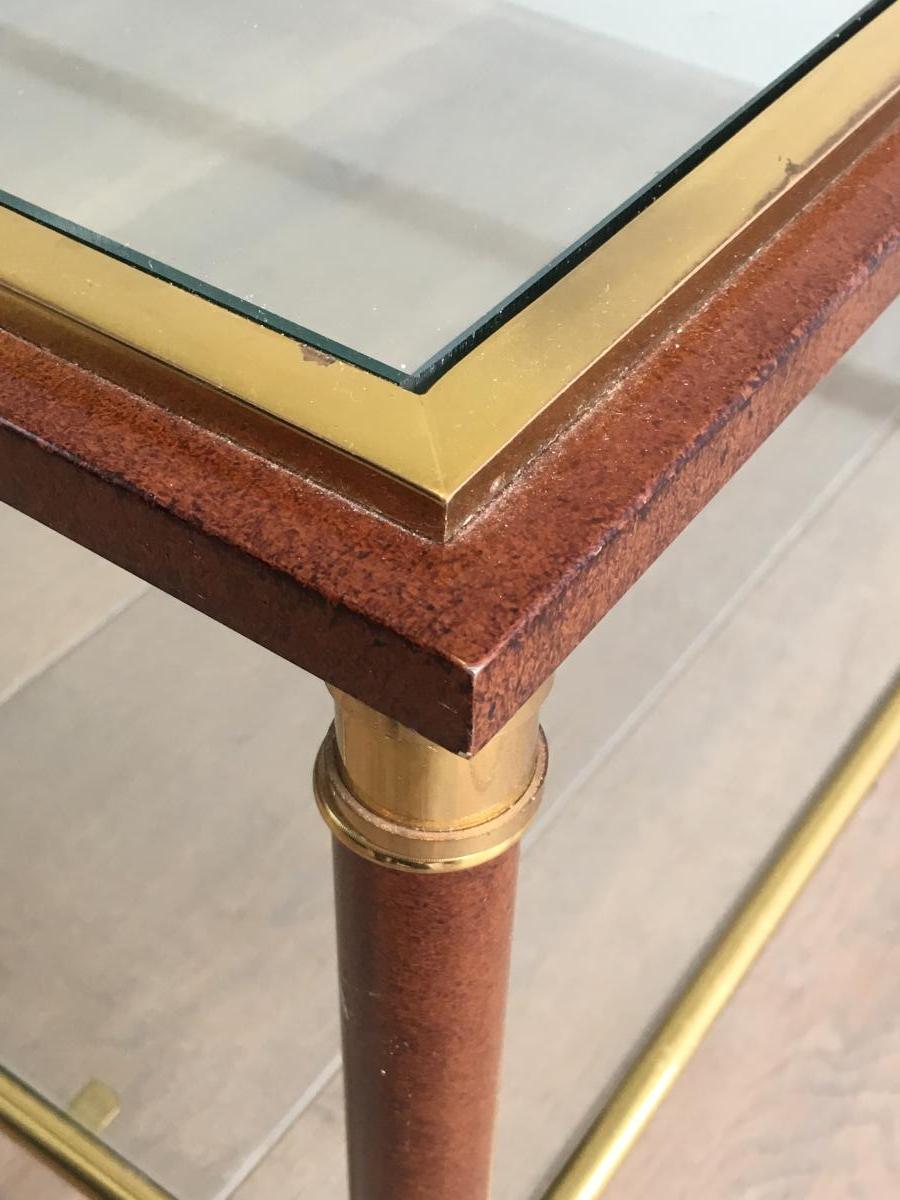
point(424, 964)
point(451, 638)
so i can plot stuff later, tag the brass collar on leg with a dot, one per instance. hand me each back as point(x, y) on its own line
point(400, 800)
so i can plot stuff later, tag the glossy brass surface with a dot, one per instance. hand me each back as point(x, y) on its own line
point(431, 459)
point(59, 1137)
point(394, 797)
point(95, 1106)
point(648, 1082)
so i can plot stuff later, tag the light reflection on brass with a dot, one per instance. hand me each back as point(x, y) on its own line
point(401, 775)
point(399, 799)
point(471, 430)
point(59, 1137)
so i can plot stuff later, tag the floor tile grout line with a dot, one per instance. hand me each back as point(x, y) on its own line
point(22, 685)
point(805, 521)
point(278, 1131)
point(866, 453)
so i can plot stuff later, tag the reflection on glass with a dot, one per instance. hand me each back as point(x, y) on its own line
point(381, 174)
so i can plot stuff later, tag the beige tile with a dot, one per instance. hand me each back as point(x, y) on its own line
point(877, 353)
point(309, 1160)
point(608, 683)
point(795, 1094)
point(52, 595)
point(167, 922)
point(625, 886)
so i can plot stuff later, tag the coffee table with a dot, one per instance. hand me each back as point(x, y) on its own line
point(404, 353)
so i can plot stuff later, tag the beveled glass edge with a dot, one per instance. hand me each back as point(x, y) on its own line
point(206, 291)
point(424, 376)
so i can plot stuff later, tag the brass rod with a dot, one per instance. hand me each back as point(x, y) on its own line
point(61, 1139)
point(602, 1151)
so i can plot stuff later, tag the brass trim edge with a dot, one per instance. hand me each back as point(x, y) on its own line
point(62, 1140)
point(396, 798)
point(445, 451)
point(407, 848)
point(643, 1089)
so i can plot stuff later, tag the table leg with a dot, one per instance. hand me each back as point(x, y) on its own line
point(425, 860)
point(423, 972)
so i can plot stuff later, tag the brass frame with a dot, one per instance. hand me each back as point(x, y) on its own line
point(429, 460)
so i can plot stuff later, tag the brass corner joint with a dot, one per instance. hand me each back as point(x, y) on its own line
point(394, 797)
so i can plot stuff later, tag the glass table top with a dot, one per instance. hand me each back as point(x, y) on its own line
point(385, 181)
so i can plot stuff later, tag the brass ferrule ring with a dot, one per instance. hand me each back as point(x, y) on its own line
point(409, 847)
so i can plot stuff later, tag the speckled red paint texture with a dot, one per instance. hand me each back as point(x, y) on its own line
point(424, 964)
point(451, 639)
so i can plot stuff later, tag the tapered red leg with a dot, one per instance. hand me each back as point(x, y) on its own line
point(425, 863)
point(423, 962)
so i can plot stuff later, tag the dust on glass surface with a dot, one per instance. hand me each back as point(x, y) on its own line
point(379, 175)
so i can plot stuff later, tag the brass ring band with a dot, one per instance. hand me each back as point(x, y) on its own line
point(407, 848)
